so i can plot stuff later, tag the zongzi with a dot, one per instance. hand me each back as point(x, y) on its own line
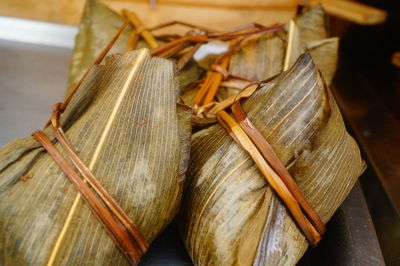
point(98, 25)
point(126, 125)
point(230, 214)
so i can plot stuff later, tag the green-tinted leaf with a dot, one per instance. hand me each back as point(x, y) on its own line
point(141, 162)
point(230, 215)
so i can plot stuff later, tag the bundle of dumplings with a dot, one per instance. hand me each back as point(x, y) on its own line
point(148, 134)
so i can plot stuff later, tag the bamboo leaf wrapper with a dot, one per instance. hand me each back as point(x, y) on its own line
point(230, 215)
point(141, 162)
point(98, 24)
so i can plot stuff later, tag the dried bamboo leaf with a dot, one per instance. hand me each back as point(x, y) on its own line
point(189, 95)
point(207, 61)
point(226, 92)
point(125, 124)
point(189, 74)
point(313, 33)
point(264, 57)
point(312, 24)
point(230, 214)
point(294, 46)
point(256, 58)
point(325, 55)
point(99, 24)
point(259, 58)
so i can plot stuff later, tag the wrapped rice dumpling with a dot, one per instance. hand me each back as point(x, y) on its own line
point(313, 36)
point(98, 25)
point(264, 56)
point(125, 124)
point(230, 214)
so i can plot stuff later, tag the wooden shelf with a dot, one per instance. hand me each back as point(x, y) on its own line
point(219, 14)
